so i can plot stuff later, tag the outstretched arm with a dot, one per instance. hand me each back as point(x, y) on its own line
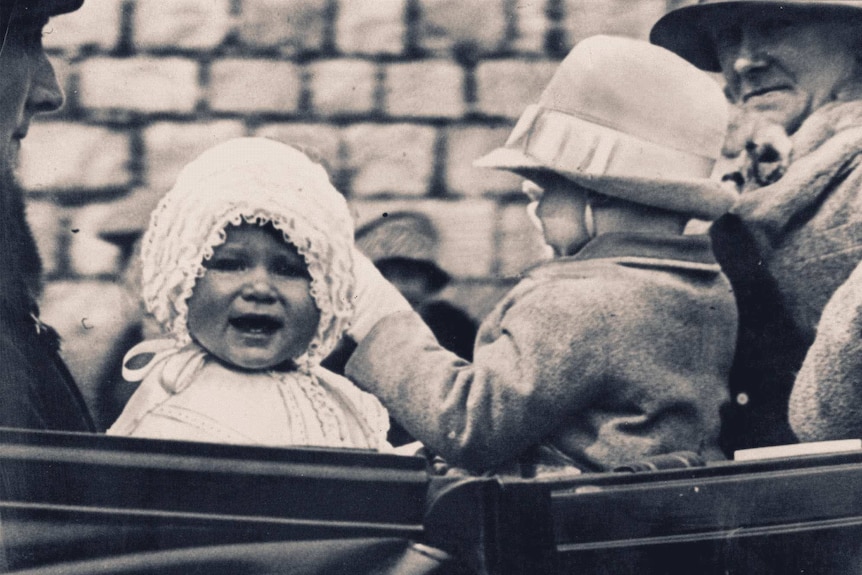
point(533, 366)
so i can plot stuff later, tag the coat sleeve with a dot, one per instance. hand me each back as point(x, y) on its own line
point(534, 365)
point(826, 401)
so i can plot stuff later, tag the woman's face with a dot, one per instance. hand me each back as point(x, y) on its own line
point(27, 86)
point(253, 308)
point(786, 67)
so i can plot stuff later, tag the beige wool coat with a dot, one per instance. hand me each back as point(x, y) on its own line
point(617, 353)
point(826, 402)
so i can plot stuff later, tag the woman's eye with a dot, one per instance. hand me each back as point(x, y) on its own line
point(773, 27)
point(726, 38)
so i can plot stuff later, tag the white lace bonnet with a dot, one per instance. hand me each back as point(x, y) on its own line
point(252, 180)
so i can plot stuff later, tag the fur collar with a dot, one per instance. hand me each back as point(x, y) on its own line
point(823, 125)
point(826, 148)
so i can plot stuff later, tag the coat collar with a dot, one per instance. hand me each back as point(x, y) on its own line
point(825, 150)
point(687, 248)
point(693, 252)
point(824, 124)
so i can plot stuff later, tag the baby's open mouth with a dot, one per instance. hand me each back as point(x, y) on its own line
point(256, 324)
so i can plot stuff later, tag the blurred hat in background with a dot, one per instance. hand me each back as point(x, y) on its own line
point(407, 238)
point(129, 218)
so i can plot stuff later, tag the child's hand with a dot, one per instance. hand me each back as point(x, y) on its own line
point(374, 297)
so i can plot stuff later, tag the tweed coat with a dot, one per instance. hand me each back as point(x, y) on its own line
point(826, 401)
point(786, 248)
point(619, 352)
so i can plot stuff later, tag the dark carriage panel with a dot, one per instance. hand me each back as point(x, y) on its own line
point(119, 505)
point(74, 496)
point(791, 515)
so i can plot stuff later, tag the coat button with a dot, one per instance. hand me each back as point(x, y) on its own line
point(742, 398)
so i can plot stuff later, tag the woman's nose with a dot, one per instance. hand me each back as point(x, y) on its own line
point(45, 93)
point(749, 56)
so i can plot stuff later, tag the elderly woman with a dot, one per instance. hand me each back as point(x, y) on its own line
point(793, 70)
point(37, 389)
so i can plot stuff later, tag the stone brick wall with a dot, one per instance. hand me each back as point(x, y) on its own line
point(397, 97)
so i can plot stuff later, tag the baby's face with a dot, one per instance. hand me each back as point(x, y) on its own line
point(253, 308)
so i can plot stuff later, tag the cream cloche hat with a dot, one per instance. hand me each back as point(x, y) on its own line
point(626, 119)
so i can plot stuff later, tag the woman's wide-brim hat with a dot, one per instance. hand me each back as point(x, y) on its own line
point(687, 31)
point(626, 119)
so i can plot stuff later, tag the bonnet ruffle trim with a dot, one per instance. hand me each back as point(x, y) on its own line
point(331, 285)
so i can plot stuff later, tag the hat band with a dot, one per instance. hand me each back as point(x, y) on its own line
point(566, 143)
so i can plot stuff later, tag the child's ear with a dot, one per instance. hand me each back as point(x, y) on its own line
point(589, 221)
